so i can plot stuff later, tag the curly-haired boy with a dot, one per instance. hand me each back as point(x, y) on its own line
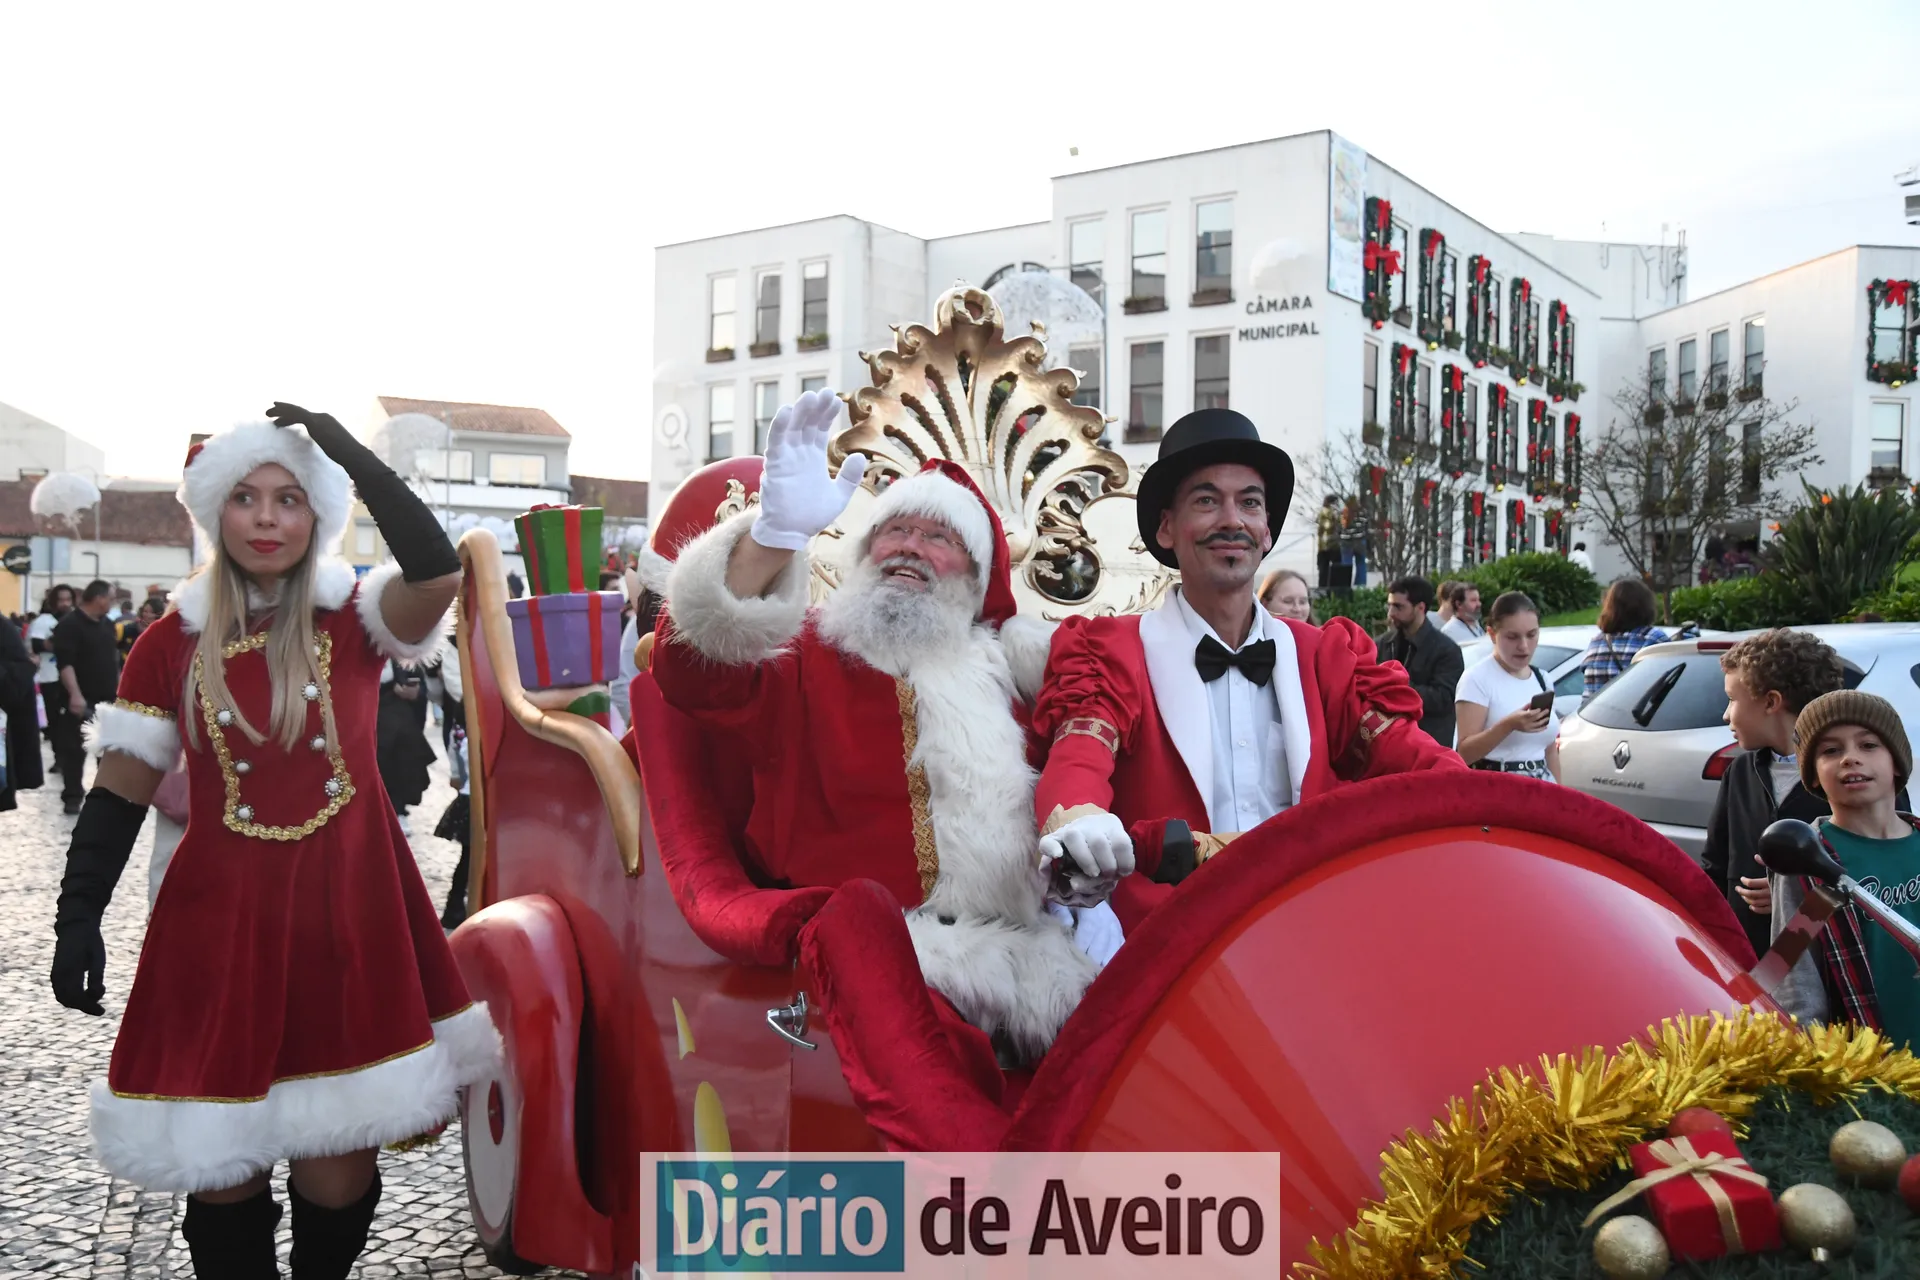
point(1771, 677)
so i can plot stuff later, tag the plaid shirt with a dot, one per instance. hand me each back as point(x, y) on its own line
point(1609, 655)
point(1842, 958)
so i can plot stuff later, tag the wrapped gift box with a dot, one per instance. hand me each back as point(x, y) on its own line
point(562, 641)
point(561, 546)
point(1715, 1207)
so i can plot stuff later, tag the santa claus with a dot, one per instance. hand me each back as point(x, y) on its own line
point(887, 730)
point(1209, 711)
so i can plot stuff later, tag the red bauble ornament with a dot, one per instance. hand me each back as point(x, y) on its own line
point(1698, 1120)
point(1910, 1183)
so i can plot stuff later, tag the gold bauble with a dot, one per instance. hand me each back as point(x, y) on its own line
point(1867, 1153)
point(1630, 1248)
point(1817, 1220)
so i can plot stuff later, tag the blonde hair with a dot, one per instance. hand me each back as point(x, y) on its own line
point(291, 654)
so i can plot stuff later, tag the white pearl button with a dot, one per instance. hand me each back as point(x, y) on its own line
point(223, 716)
point(244, 813)
point(243, 766)
point(318, 742)
point(333, 786)
point(310, 691)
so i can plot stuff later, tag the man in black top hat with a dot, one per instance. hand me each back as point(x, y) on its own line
point(1210, 710)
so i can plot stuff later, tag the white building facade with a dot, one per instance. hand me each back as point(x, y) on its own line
point(1349, 311)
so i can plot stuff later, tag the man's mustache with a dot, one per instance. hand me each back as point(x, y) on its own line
point(1228, 539)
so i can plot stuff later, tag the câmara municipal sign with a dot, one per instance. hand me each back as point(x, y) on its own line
point(1288, 329)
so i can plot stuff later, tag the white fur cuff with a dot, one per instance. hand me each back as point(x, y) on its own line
point(150, 738)
point(372, 588)
point(720, 625)
point(166, 1145)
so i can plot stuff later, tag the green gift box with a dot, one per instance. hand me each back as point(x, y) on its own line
point(561, 546)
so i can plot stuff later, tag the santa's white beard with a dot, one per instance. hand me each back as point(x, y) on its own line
point(889, 626)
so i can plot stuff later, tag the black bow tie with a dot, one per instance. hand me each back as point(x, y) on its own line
point(1255, 662)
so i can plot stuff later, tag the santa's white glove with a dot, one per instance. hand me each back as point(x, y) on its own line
point(1098, 851)
point(797, 497)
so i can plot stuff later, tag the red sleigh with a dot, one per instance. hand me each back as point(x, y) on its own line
point(1326, 983)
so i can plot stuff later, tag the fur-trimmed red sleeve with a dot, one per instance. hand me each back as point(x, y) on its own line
point(1372, 713)
point(1086, 712)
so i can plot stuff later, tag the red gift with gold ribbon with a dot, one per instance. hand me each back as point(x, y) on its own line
point(1703, 1195)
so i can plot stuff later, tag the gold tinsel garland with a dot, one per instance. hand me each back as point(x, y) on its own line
point(1574, 1120)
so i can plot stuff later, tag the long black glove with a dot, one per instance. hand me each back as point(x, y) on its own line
point(102, 839)
point(412, 533)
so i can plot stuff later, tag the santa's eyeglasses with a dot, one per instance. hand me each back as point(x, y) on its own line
point(932, 535)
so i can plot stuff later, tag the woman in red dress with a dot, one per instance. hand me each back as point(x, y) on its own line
point(295, 998)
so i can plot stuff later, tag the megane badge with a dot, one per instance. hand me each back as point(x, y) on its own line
point(1622, 756)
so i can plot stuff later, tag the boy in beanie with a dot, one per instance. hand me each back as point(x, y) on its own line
point(1770, 679)
point(1854, 751)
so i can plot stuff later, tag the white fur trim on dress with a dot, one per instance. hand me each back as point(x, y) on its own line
point(228, 458)
point(719, 625)
point(203, 1146)
point(1006, 964)
point(150, 739)
point(369, 602)
point(935, 497)
point(333, 580)
point(1028, 643)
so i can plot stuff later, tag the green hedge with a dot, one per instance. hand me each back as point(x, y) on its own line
point(1895, 602)
point(1366, 606)
point(1744, 604)
point(1554, 583)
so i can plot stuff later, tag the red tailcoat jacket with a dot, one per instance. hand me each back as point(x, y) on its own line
point(1126, 712)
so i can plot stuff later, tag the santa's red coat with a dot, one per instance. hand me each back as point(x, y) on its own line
point(1127, 715)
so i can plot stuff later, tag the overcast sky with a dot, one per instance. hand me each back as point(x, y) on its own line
point(204, 208)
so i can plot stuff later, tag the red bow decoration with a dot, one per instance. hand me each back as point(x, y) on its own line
point(1897, 292)
point(1406, 357)
point(1479, 504)
point(1381, 257)
point(1383, 211)
point(1526, 291)
point(1375, 475)
point(1426, 492)
point(1429, 241)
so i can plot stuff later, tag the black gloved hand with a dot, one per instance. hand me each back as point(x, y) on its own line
point(79, 966)
point(413, 534)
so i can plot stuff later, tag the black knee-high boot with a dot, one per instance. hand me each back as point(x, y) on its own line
point(326, 1241)
point(232, 1241)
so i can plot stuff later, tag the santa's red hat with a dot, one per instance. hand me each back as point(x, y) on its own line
point(944, 491)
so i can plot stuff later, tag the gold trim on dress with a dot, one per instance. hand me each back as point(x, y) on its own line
point(926, 854)
point(1093, 727)
point(231, 777)
point(1373, 723)
point(141, 708)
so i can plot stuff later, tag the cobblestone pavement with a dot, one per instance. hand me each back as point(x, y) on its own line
point(60, 1214)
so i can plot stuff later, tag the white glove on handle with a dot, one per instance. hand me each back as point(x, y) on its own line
point(1100, 852)
point(797, 497)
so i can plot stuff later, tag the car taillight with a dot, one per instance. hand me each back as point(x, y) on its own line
point(1719, 762)
point(1714, 646)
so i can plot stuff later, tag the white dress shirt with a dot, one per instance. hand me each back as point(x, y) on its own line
point(1250, 776)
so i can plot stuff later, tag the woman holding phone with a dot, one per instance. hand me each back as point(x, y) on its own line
point(1503, 705)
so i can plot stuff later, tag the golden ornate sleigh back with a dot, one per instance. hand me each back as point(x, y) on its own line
point(966, 392)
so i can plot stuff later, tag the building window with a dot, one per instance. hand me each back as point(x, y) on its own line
point(528, 469)
point(1213, 253)
point(1717, 362)
point(1146, 380)
point(1893, 317)
point(1012, 269)
point(766, 310)
point(1370, 385)
point(1449, 312)
point(1423, 404)
point(766, 403)
point(816, 383)
point(1149, 259)
point(1481, 333)
point(1400, 396)
point(1889, 440)
point(1756, 354)
point(720, 314)
point(1469, 431)
point(455, 465)
point(719, 421)
point(1572, 459)
point(1086, 258)
point(1751, 445)
point(1657, 374)
point(1401, 239)
point(1210, 360)
point(1688, 371)
point(1493, 314)
point(1086, 361)
point(364, 541)
point(813, 303)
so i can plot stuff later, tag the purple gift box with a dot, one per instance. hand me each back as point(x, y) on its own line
point(567, 640)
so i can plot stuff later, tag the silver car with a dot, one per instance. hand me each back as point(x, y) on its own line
point(1656, 743)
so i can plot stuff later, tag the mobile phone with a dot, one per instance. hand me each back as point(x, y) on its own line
point(1542, 701)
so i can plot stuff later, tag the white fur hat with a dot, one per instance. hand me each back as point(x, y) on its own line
point(224, 460)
